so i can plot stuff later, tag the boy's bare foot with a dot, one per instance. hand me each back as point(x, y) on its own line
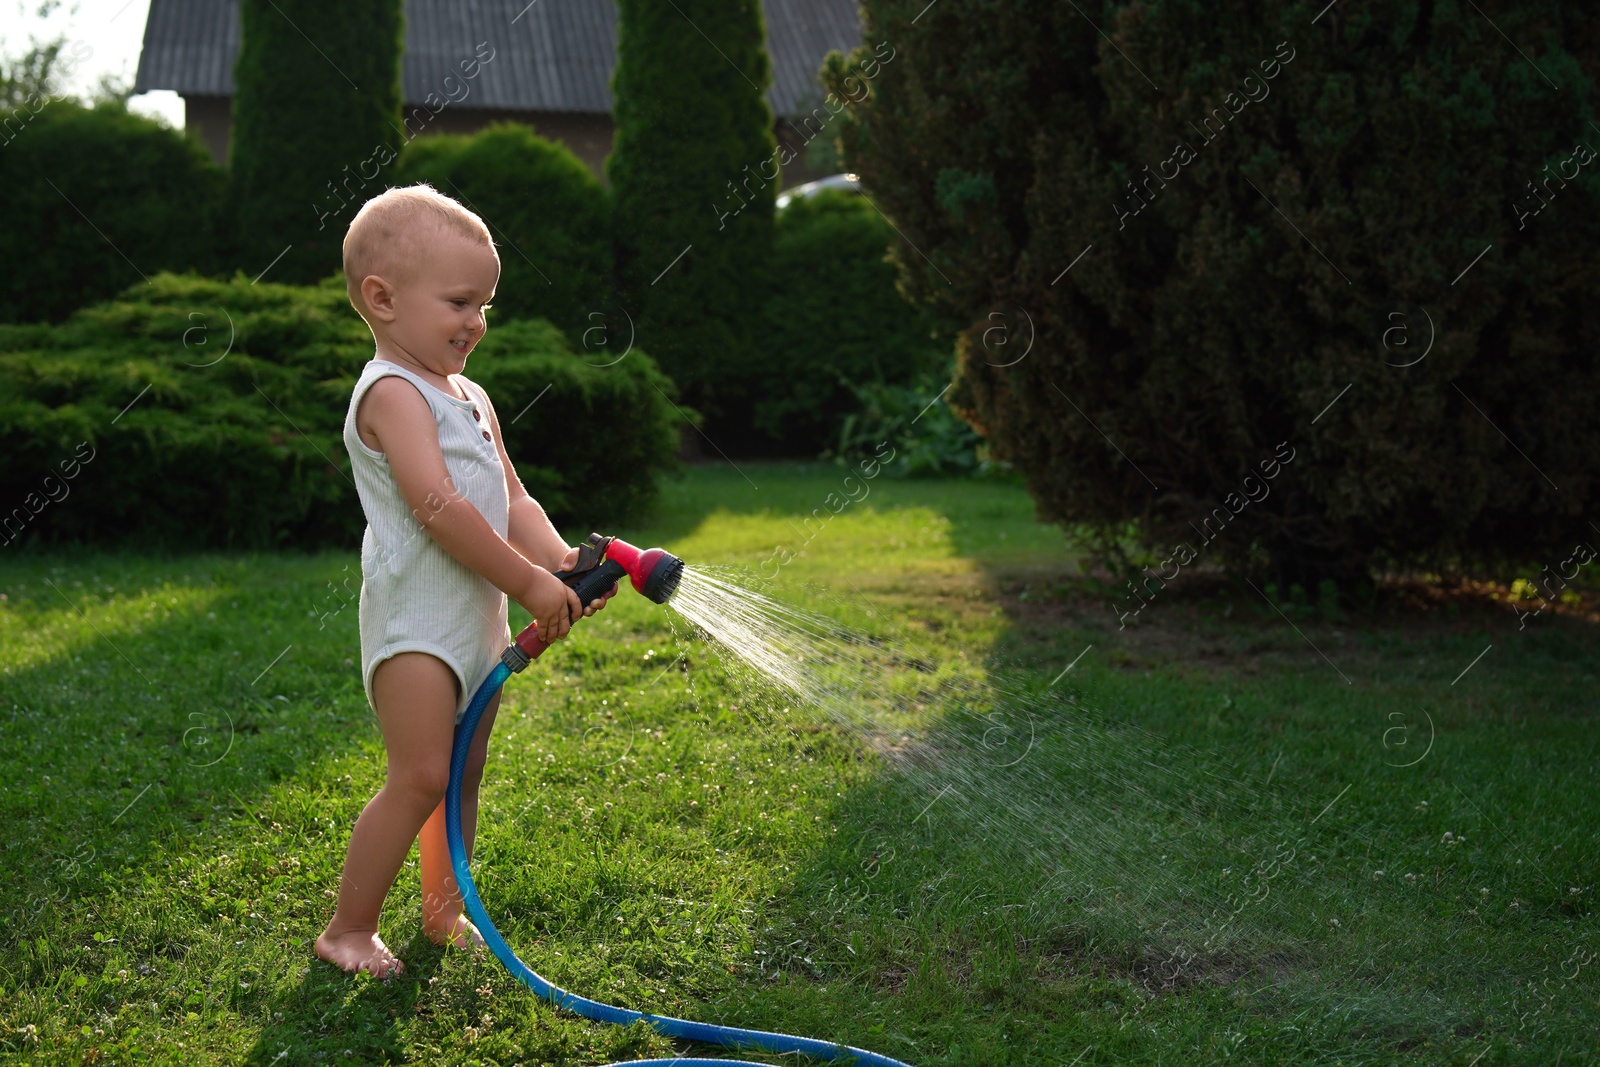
point(357, 951)
point(457, 931)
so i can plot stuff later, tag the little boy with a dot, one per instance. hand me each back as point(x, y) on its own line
point(451, 532)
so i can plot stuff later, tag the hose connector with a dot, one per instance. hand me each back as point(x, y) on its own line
point(514, 658)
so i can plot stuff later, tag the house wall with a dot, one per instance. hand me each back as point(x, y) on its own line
point(588, 136)
point(209, 118)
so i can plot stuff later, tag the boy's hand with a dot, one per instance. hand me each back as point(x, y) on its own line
point(593, 606)
point(551, 603)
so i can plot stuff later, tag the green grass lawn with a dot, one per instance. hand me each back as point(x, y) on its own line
point(1224, 834)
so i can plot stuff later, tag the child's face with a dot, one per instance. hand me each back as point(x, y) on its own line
point(439, 313)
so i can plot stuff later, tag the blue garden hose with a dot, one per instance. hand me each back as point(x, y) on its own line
point(707, 1033)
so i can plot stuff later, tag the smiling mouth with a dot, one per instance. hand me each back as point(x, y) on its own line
point(460, 346)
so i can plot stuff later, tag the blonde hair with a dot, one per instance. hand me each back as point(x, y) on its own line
point(392, 231)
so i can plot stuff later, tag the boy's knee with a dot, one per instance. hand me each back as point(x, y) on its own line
point(426, 784)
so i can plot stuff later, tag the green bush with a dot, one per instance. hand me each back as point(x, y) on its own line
point(549, 215)
point(928, 438)
point(1235, 279)
point(96, 199)
point(836, 321)
point(200, 413)
point(593, 447)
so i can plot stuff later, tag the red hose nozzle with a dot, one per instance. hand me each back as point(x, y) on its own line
point(654, 571)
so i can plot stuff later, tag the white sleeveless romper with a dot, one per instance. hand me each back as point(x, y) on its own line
point(415, 596)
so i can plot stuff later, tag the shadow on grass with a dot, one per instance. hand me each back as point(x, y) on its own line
point(140, 789)
point(330, 1015)
point(137, 738)
point(1100, 878)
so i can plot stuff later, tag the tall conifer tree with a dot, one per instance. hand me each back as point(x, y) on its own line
point(694, 176)
point(1205, 224)
point(316, 125)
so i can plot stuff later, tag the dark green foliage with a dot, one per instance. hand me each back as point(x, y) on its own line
point(694, 164)
point(245, 452)
point(549, 215)
point(237, 441)
point(316, 124)
point(1389, 148)
point(592, 449)
point(837, 321)
point(95, 199)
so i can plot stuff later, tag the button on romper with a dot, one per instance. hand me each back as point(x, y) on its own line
point(415, 596)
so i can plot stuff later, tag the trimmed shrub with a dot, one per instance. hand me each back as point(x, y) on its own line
point(199, 413)
point(316, 127)
point(593, 448)
point(1296, 210)
point(96, 198)
point(549, 215)
point(693, 175)
point(836, 322)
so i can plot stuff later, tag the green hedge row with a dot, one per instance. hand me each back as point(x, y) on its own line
point(198, 413)
point(692, 264)
point(133, 198)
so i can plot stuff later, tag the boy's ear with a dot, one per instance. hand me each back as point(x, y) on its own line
point(379, 297)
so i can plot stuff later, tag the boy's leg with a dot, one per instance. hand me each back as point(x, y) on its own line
point(442, 917)
point(414, 696)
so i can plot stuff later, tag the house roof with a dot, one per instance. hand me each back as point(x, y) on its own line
point(551, 55)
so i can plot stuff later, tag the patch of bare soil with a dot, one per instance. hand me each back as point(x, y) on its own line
point(1160, 971)
point(1427, 594)
point(1216, 621)
point(904, 752)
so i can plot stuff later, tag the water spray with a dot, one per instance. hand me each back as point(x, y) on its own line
point(602, 562)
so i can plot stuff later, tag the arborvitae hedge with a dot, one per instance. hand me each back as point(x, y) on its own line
point(195, 413)
point(694, 164)
point(96, 199)
point(316, 128)
point(550, 217)
point(1363, 187)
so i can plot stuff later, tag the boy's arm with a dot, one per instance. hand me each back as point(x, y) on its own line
point(408, 436)
point(528, 527)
